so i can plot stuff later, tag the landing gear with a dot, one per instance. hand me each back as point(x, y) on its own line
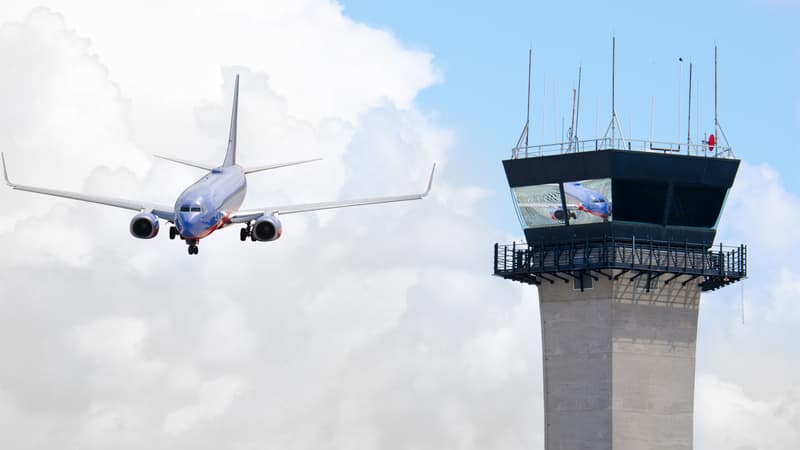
point(246, 232)
point(193, 250)
point(173, 232)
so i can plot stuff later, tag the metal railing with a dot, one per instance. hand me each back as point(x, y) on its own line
point(719, 265)
point(693, 149)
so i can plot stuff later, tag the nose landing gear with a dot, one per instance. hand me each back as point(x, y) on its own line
point(193, 249)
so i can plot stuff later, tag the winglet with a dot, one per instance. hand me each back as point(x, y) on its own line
point(5, 172)
point(430, 181)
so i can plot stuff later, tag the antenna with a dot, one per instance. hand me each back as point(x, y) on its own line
point(577, 110)
point(523, 137)
point(614, 125)
point(716, 104)
point(528, 114)
point(680, 93)
point(717, 126)
point(689, 124)
point(572, 121)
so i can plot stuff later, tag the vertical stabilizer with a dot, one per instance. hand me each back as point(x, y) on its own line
point(230, 155)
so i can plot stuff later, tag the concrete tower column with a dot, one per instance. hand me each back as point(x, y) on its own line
point(619, 363)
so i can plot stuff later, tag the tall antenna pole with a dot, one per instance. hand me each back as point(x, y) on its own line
point(612, 127)
point(716, 104)
point(572, 121)
point(577, 110)
point(689, 125)
point(680, 92)
point(613, 74)
point(528, 115)
point(613, 82)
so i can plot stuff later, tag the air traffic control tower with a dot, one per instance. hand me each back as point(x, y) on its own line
point(620, 244)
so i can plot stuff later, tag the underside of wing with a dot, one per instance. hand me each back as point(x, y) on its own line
point(163, 212)
point(252, 214)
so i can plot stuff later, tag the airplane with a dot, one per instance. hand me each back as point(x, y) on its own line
point(579, 198)
point(213, 201)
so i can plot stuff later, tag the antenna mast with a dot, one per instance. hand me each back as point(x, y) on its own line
point(612, 127)
point(572, 121)
point(689, 124)
point(523, 137)
point(528, 114)
point(577, 110)
point(716, 104)
point(717, 127)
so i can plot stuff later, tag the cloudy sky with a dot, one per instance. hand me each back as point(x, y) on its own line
point(359, 329)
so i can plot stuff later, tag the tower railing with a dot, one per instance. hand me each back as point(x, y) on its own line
point(701, 149)
point(715, 267)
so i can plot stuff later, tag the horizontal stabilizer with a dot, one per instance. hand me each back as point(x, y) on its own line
point(186, 163)
point(275, 166)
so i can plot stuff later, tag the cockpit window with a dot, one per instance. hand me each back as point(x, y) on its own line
point(190, 208)
point(196, 209)
point(185, 208)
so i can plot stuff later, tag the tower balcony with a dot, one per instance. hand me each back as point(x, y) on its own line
point(647, 262)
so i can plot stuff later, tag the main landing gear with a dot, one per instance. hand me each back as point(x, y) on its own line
point(246, 232)
point(173, 232)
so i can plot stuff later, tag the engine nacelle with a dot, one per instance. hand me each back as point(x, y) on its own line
point(267, 228)
point(557, 213)
point(144, 226)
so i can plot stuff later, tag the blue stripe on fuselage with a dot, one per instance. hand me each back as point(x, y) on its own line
point(218, 193)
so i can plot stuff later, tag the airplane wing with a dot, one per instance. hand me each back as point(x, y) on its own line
point(164, 212)
point(252, 214)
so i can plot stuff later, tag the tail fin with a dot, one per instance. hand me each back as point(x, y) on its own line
point(230, 155)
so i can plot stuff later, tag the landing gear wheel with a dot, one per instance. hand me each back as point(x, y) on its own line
point(243, 234)
point(193, 249)
point(173, 232)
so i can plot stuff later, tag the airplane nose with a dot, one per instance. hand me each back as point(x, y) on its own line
point(185, 226)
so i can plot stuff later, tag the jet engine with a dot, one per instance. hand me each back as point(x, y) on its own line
point(557, 213)
point(266, 228)
point(144, 226)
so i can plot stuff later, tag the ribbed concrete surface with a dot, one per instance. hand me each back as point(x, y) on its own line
point(619, 365)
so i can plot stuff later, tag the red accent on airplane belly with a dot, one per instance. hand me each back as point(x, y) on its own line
point(222, 223)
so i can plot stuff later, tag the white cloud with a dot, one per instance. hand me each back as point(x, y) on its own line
point(366, 328)
point(726, 417)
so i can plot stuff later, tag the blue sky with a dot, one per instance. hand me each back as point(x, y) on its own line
point(481, 48)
